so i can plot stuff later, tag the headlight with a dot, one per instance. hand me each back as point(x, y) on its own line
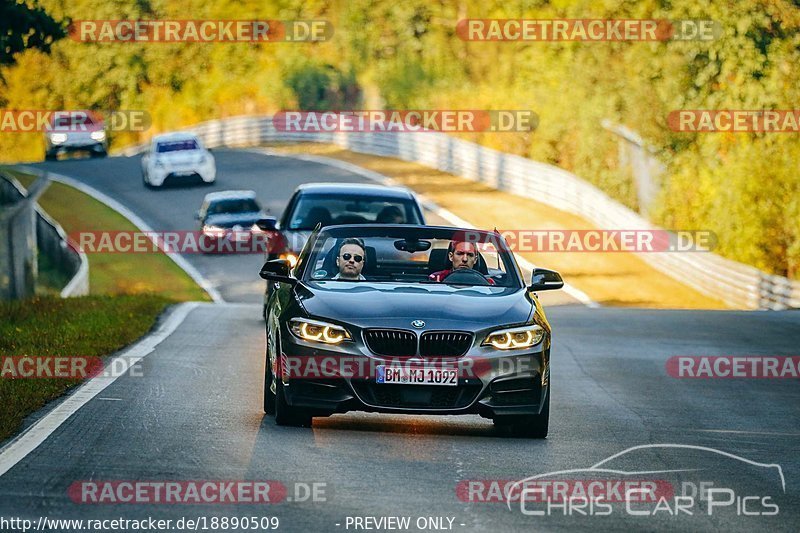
point(515, 338)
point(98, 135)
point(214, 231)
point(289, 257)
point(57, 138)
point(316, 331)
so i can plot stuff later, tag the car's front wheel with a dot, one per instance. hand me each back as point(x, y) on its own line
point(285, 414)
point(530, 426)
point(269, 396)
point(275, 403)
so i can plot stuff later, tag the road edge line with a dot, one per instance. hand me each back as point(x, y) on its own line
point(30, 439)
point(134, 219)
point(451, 217)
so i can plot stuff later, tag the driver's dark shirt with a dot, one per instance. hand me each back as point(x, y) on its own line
point(441, 274)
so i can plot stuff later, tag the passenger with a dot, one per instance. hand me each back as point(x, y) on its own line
point(390, 215)
point(462, 255)
point(317, 215)
point(351, 259)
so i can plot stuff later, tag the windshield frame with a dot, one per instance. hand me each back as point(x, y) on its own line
point(303, 273)
point(407, 204)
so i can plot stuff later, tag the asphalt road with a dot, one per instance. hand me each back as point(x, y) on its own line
point(195, 414)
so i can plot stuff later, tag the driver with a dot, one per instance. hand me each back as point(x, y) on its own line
point(462, 255)
point(351, 259)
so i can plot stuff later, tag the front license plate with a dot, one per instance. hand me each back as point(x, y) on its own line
point(401, 375)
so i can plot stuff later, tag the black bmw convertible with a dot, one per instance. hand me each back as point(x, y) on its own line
point(408, 319)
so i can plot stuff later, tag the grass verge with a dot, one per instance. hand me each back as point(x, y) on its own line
point(609, 278)
point(51, 326)
point(114, 273)
point(128, 293)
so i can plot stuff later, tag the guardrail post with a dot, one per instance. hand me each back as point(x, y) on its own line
point(18, 249)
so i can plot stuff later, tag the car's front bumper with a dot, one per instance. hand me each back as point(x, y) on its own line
point(75, 145)
point(491, 383)
point(158, 175)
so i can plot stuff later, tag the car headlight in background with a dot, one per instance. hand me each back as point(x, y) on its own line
point(515, 338)
point(98, 136)
point(213, 231)
point(289, 257)
point(316, 331)
point(58, 138)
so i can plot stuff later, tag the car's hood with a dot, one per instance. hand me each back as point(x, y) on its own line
point(228, 220)
point(396, 305)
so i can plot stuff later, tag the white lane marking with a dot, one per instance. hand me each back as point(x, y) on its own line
point(29, 440)
point(738, 432)
point(134, 219)
point(431, 206)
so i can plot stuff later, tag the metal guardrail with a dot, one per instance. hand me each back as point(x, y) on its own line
point(738, 285)
point(44, 234)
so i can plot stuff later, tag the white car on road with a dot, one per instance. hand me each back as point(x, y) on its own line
point(177, 157)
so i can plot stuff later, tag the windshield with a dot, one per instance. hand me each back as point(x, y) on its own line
point(400, 256)
point(241, 205)
point(328, 210)
point(176, 146)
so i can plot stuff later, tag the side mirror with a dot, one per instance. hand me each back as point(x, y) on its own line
point(277, 270)
point(267, 224)
point(545, 280)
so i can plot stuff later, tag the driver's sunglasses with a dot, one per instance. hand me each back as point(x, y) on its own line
point(357, 258)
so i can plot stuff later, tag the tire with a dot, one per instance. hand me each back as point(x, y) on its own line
point(269, 396)
point(99, 154)
point(528, 426)
point(50, 156)
point(286, 415)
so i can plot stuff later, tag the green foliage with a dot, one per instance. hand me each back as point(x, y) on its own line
point(321, 87)
point(24, 26)
point(407, 55)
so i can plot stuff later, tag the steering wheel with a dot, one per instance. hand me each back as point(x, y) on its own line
point(465, 276)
